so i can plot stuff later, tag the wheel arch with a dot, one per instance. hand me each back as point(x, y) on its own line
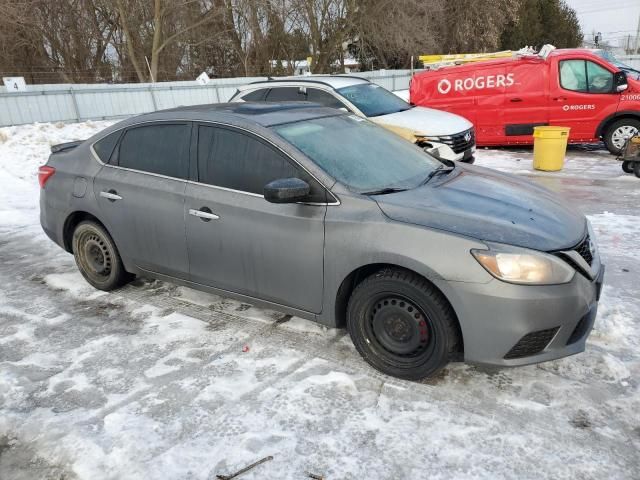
point(351, 281)
point(604, 125)
point(70, 224)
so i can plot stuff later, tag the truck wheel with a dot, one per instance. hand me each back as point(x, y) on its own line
point(402, 325)
point(618, 132)
point(627, 167)
point(97, 257)
point(636, 169)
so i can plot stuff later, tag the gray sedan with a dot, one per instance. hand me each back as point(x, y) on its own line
point(322, 214)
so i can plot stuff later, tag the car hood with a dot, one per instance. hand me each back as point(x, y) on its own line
point(425, 121)
point(490, 206)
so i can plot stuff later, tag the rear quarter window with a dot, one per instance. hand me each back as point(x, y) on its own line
point(105, 146)
point(158, 148)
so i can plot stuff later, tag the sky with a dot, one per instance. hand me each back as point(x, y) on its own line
point(614, 18)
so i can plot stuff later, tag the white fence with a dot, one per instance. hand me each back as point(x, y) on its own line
point(631, 60)
point(65, 102)
point(68, 103)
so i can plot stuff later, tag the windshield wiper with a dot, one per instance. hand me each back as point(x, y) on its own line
point(385, 191)
point(438, 171)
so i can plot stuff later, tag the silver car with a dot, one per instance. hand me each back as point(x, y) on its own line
point(322, 214)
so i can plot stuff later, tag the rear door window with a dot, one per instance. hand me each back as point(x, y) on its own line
point(232, 159)
point(323, 98)
point(157, 148)
point(255, 96)
point(285, 94)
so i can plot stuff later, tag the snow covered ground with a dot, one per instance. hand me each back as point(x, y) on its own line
point(151, 382)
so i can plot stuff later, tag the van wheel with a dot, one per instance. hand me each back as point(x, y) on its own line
point(97, 257)
point(627, 167)
point(402, 325)
point(618, 132)
point(636, 169)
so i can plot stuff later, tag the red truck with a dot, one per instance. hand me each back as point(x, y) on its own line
point(507, 97)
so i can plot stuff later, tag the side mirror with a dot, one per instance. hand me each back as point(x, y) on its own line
point(620, 82)
point(286, 190)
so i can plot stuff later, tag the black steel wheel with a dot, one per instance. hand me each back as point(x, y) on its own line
point(97, 257)
point(402, 325)
point(636, 169)
point(627, 167)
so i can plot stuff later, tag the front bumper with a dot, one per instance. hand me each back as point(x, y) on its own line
point(510, 325)
point(443, 151)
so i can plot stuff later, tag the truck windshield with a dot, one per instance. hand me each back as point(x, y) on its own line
point(364, 157)
point(609, 57)
point(373, 100)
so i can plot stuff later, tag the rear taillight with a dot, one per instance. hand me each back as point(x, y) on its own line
point(44, 174)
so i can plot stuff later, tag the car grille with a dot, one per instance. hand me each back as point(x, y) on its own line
point(459, 142)
point(584, 250)
point(531, 344)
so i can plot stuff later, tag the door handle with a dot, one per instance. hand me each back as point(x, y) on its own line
point(111, 195)
point(514, 100)
point(560, 99)
point(205, 214)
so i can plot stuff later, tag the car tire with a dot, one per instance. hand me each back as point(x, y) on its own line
point(97, 257)
point(636, 169)
point(627, 167)
point(617, 131)
point(471, 160)
point(402, 325)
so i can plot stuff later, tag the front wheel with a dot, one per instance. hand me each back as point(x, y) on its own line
point(636, 169)
point(97, 257)
point(627, 167)
point(618, 133)
point(402, 325)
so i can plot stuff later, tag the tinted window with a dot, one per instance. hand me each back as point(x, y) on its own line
point(373, 100)
point(255, 96)
point(232, 159)
point(323, 98)
point(285, 94)
point(160, 148)
point(584, 76)
point(104, 147)
point(360, 154)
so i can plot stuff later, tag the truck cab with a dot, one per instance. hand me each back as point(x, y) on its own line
point(506, 98)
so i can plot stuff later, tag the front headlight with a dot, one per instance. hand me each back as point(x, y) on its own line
point(519, 265)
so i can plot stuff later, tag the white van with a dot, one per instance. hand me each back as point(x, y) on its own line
point(443, 134)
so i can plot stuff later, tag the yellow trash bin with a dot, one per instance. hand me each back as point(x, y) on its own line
point(549, 147)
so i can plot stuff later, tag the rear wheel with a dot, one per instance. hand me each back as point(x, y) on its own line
point(618, 132)
point(627, 167)
point(401, 324)
point(636, 169)
point(97, 257)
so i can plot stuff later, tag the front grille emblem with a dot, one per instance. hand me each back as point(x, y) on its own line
point(467, 137)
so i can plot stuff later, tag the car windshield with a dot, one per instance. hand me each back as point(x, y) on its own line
point(373, 100)
point(356, 152)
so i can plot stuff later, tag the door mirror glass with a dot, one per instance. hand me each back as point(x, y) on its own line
point(286, 190)
point(620, 82)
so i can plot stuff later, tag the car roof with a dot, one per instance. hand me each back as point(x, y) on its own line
point(265, 114)
point(333, 81)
